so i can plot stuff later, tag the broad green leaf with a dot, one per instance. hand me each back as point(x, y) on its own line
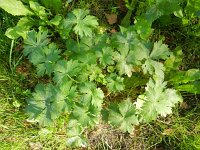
point(88, 57)
point(127, 38)
point(161, 8)
point(21, 29)
point(35, 41)
point(122, 65)
point(38, 10)
point(115, 83)
point(123, 116)
point(65, 70)
point(106, 56)
point(160, 51)
point(41, 106)
point(67, 94)
point(81, 23)
point(192, 8)
point(174, 61)
point(143, 27)
point(92, 94)
point(86, 115)
point(16, 32)
point(153, 68)
point(56, 20)
point(14, 7)
point(94, 73)
point(55, 5)
point(45, 58)
point(157, 100)
point(48, 102)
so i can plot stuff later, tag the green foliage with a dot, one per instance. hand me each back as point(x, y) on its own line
point(80, 22)
point(86, 64)
point(14, 7)
point(157, 100)
point(188, 81)
point(56, 5)
point(123, 116)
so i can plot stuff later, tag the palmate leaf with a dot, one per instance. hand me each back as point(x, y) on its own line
point(153, 68)
point(91, 94)
point(159, 51)
point(65, 70)
point(130, 52)
point(157, 100)
point(106, 56)
point(45, 59)
point(35, 41)
point(49, 101)
point(86, 115)
point(123, 66)
point(123, 116)
point(67, 94)
point(81, 23)
point(41, 106)
point(127, 37)
point(115, 83)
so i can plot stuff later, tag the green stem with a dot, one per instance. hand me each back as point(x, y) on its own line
point(10, 56)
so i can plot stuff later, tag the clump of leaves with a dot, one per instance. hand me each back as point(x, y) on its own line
point(90, 62)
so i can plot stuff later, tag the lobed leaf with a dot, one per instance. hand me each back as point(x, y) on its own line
point(81, 23)
point(123, 116)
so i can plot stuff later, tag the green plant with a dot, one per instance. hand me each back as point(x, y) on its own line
point(79, 71)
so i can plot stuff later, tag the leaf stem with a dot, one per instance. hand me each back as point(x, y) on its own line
point(71, 78)
point(10, 56)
